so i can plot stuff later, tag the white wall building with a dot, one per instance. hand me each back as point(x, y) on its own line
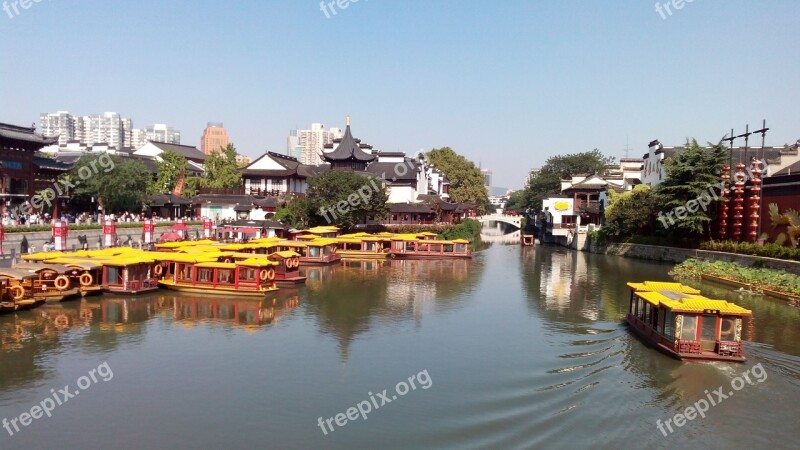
point(311, 142)
point(157, 133)
point(61, 124)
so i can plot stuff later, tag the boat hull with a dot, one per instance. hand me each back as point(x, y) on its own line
point(433, 256)
point(219, 290)
point(290, 281)
point(61, 296)
point(645, 334)
point(362, 255)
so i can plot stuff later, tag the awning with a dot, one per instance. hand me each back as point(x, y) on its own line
point(246, 230)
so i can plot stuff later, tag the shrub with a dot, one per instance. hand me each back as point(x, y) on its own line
point(760, 278)
point(746, 248)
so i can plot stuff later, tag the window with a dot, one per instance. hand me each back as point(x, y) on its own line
point(669, 325)
point(709, 328)
point(112, 275)
point(205, 275)
point(247, 274)
point(689, 328)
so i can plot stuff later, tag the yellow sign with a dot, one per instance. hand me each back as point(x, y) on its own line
point(561, 206)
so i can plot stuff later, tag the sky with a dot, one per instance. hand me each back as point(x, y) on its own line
point(504, 83)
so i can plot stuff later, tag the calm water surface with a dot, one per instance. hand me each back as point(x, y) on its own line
point(524, 348)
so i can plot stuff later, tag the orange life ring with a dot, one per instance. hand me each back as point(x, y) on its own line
point(263, 275)
point(62, 282)
point(270, 274)
point(17, 292)
point(289, 263)
point(158, 270)
point(62, 321)
point(296, 261)
point(86, 279)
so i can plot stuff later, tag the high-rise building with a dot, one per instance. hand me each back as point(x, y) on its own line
point(108, 128)
point(487, 180)
point(307, 145)
point(61, 124)
point(293, 148)
point(157, 133)
point(214, 138)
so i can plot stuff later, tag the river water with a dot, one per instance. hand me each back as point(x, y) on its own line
point(518, 348)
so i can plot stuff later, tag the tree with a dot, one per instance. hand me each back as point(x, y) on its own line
point(691, 175)
point(548, 181)
point(515, 201)
point(222, 171)
point(466, 180)
point(170, 168)
point(629, 213)
point(119, 186)
point(342, 198)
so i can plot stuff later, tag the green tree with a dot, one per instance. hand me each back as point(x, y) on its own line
point(117, 184)
point(169, 171)
point(222, 171)
point(548, 181)
point(690, 174)
point(466, 179)
point(516, 201)
point(629, 213)
point(343, 198)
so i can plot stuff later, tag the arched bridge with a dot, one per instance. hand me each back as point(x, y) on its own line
point(515, 221)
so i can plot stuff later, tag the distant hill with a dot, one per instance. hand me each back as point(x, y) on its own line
point(499, 190)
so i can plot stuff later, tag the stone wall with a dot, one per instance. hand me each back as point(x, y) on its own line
point(678, 255)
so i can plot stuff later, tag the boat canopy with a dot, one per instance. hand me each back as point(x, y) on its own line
point(679, 298)
point(286, 254)
point(41, 256)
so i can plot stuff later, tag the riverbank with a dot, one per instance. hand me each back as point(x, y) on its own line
point(776, 283)
point(678, 255)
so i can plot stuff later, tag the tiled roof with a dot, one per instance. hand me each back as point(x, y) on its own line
point(186, 151)
point(348, 148)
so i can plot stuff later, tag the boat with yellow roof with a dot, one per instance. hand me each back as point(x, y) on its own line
point(252, 277)
point(410, 246)
point(128, 273)
point(680, 322)
point(363, 246)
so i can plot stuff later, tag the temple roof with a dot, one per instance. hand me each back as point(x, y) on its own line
point(25, 134)
point(349, 148)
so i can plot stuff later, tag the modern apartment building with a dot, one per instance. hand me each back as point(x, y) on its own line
point(214, 137)
point(157, 133)
point(109, 128)
point(307, 145)
point(61, 124)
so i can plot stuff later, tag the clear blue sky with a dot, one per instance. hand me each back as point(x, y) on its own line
point(506, 83)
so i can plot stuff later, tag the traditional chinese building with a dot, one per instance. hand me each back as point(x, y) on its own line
point(21, 171)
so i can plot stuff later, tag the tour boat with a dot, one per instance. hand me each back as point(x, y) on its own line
point(17, 290)
point(129, 274)
point(87, 272)
point(252, 277)
point(680, 322)
point(362, 246)
point(286, 270)
point(53, 282)
point(409, 247)
point(319, 252)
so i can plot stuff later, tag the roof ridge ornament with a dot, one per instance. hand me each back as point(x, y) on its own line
point(348, 120)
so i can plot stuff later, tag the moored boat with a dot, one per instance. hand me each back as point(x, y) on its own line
point(129, 274)
point(362, 246)
point(52, 282)
point(319, 252)
point(680, 322)
point(16, 286)
point(252, 277)
point(286, 270)
point(87, 273)
point(410, 247)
